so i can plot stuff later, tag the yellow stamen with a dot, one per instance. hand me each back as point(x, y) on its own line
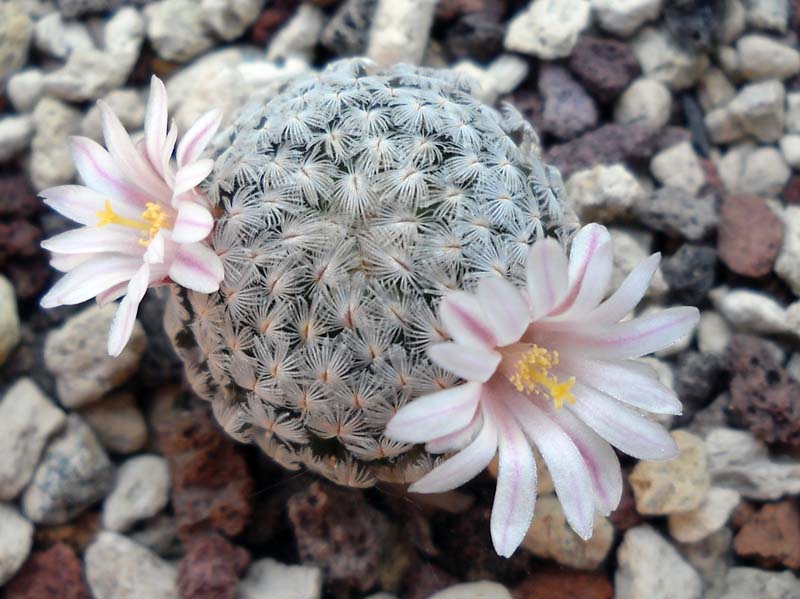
point(532, 375)
point(154, 218)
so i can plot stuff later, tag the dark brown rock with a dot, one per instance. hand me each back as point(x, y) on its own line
point(77, 534)
point(425, 580)
point(449, 10)
point(749, 236)
point(604, 66)
point(17, 199)
point(625, 516)
point(791, 193)
point(29, 275)
point(273, 17)
point(211, 568)
point(54, 572)
point(564, 583)
point(689, 272)
point(340, 532)
point(763, 396)
point(211, 486)
point(771, 538)
point(568, 109)
point(19, 238)
point(477, 36)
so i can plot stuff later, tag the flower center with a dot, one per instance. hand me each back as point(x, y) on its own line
point(532, 375)
point(153, 219)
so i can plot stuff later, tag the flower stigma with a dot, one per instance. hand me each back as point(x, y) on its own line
point(154, 217)
point(532, 375)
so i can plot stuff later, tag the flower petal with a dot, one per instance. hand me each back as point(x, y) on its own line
point(623, 381)
point(198, 136)
point(155, 124)
point(625, 429)
point(547, 276)
point(166, 154)
point(466, 362)
point(190, 176)
point(435, 415)
point(567, 468)
point(125, 318)
point(197, 267)
point(504, 308)
point(98, 171)
point(457, 440)
point(81, 204)
point(89, 279)
point(464, 320)
point(628, 295)
point(629, 339)
point(93, 240)
point(600, 458)
point(464, 466)
point(66, 262)
point(515, 493)
point(193, 223)
point(588, 270)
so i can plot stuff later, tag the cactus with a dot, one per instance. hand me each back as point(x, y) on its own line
point(345, 207)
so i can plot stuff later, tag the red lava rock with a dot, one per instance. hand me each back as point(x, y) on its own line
point(771, 537)
point(77, 534)
point(425, 580)
point(564, 583)
point(791, 193)
point(604, 66)
point(211, 486)
point(713, 180)
point(568, 109)
point(211, 568)
point(17, 199)
point(271, 20)
point(19, 238)
point(763, 396)
point(749, 235)
point(449, 10)
point(54, 572)
point(742, 514)
point(28, 275)
point(530, 105)
point(608, 144)
point(339, 531)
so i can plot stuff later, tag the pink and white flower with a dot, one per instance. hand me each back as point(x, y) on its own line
point(144, 222)
point(552, 366)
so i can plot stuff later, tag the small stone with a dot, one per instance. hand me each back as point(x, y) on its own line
point(605, 66)
point(790, 148)
point(792, 119)
point(503, 75)
point(268, 578)
point(710, 558)
point(647, 102)
point(759, 108)
point(761, 57)
point(673, 211)
point(476, 35)
point(347, 32)
point(624, 17)
point(177, 30)
point(483, 589)
point(118, 568)
point(715, 90)
point(747, 583)
point(54, 572)
point(118, 423)
point(27, 420)
point(749, 235)
point(787, 264)
point(568, 109)
point(49, 35)
point(211, 568)
point(679, 167)
point(746, 169)
point(24, 88)
point(76, 354)
point(690, 271)
point(734, 21)
point(677, 485)
point(562, 583)
point(662, 59)
point(768, 14)
point(79, 8)
point(709, 517)
point(141, 491)
point(631, 248)
point(548, 29)
point(16, 538)
point(74, 473)
point(229, 20)
point(338, 530)
point(126, 103)
point(51, 162)
point(696, 377)
point(16, 30)
point(400, 31)
point(694, 24)
point(713, 332)
point(751, 311)
point(299, 36)
point(723, 127)
point(15, 135)
point(603, 193)
point(739, 461)
point(159, 534)
point(771, 538)
point(550, 537)
point(649, 567)
point(9, 320)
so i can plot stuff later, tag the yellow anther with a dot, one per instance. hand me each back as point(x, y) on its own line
point(532, 376)
point(154, 218)
point(107, 216)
